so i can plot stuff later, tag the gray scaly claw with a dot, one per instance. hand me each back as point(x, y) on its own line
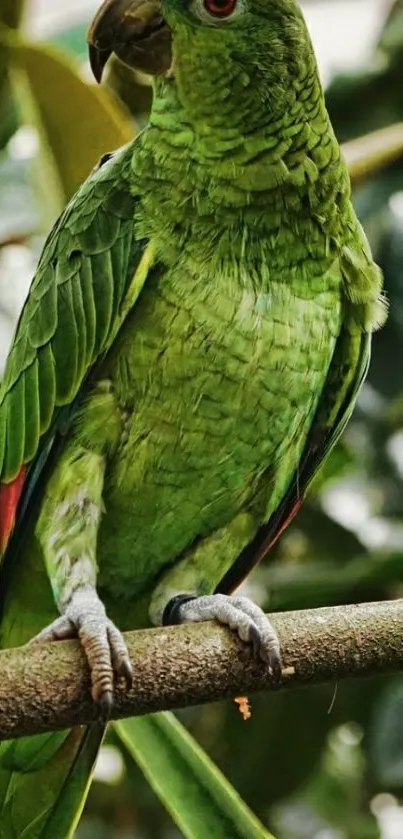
point(103, 644)
point(240, 614)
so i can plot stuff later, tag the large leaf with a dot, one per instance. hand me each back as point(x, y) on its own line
point(78, 121)
point(194, 791)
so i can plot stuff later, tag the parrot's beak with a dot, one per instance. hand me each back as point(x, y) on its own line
point(135, 31)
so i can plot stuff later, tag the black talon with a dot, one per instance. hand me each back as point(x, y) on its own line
point(276, 666)
point(272, 659)
point(105, 705)
point(256, 641)
point(126, 672)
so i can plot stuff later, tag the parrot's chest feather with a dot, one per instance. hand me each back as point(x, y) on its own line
point(219, 375)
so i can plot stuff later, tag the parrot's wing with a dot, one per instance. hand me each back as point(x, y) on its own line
point(346, 373)
point(44, 782)
point(89, 276)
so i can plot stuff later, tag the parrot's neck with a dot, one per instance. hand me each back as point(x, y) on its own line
point(283, 179)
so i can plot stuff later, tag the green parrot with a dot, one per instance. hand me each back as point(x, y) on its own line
point(191, 348)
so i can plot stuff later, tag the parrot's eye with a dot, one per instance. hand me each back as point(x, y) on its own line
point(215, 12)
point(220, 8)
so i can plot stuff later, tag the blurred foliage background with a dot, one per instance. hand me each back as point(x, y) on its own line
point(322, 763)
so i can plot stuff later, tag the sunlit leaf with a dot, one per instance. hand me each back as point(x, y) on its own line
point(78, 121)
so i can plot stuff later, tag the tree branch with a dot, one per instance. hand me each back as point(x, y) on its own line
point(370, 154)
point(46, 687)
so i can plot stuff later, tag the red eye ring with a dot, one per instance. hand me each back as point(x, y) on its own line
point(220, 8)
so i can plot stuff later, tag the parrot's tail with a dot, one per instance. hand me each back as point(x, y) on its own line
point(44, 781)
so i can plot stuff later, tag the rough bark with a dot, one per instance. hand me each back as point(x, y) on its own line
point(46, 687)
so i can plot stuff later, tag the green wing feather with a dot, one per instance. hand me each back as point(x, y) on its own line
point(72, 312)
point(86, 283)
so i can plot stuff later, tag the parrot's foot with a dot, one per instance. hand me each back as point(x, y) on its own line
point(103, 644)
point(239, 613)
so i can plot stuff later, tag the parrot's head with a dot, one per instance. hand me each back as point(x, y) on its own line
point(211, 48)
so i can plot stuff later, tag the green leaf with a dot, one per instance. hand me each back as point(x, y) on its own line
point(194, 791)
point(386, 737)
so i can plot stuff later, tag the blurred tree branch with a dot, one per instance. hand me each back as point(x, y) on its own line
point(46, 687)
point(368, 155)
point(294, 585)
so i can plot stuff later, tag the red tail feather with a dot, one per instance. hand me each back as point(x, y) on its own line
point(10, 495)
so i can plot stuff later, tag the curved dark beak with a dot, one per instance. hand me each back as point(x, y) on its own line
point(98, 61)
point(135, 31)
